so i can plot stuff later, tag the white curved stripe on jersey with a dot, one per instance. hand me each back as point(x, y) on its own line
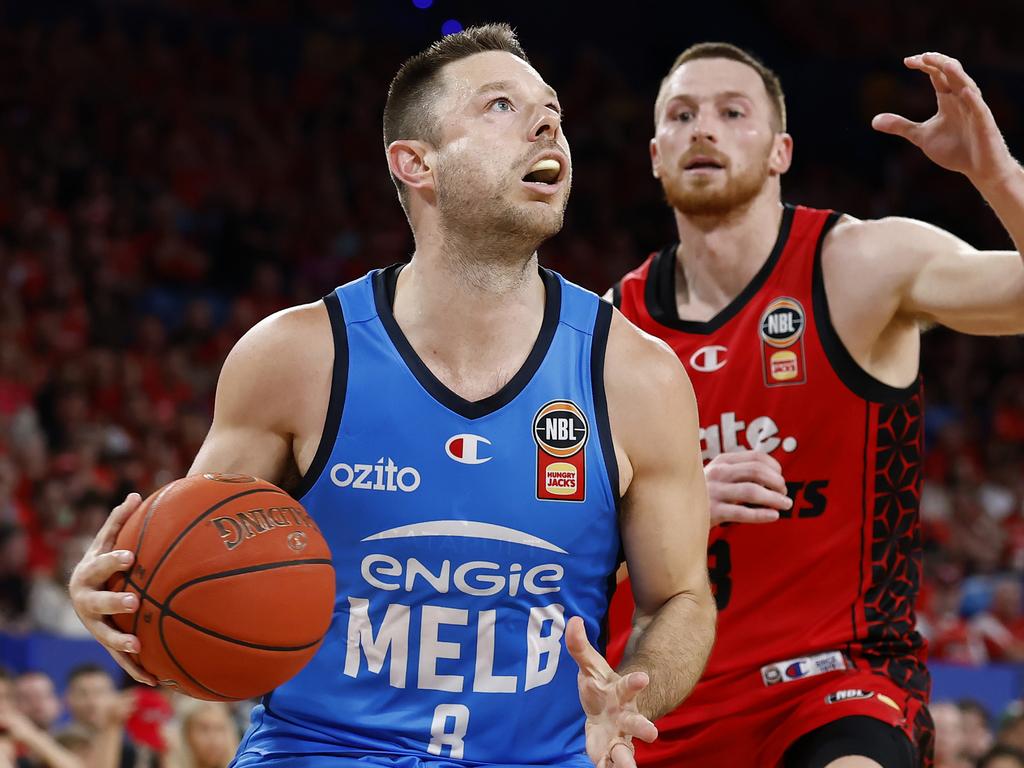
point(467, 528)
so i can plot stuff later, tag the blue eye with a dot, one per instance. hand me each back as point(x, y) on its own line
point(501, 105)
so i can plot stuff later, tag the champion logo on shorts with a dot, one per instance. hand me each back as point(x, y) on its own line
point(805, 666)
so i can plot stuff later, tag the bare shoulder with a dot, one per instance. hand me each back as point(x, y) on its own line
point(638, 359)
point(279, 362)
point(289, 336)
point(648, 388)
point(887, 247)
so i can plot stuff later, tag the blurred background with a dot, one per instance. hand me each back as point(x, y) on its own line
point(171, 172)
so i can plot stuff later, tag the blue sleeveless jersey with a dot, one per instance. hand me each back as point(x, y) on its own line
point(464, 536)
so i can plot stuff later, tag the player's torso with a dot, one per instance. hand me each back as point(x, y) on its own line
point(464, 536)
point(838, 570)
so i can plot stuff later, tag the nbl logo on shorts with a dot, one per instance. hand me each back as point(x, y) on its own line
point(560, 430)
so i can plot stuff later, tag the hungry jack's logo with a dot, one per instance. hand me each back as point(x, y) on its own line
point(560, 430)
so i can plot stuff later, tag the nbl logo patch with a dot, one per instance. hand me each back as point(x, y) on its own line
point(782, 345)
point(560, 430)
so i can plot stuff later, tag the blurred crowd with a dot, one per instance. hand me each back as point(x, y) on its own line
point(96, 725)
point(171, 174)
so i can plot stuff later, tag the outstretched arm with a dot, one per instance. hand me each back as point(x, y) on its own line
point(941, 278)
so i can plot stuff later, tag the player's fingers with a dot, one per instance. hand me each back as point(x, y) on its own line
point(897, 126)
point(100, 603)
point(936, 75)
point(104, 540)
point(760, 473)
point(734, 513)
point(94, 571)
point(629, 686)
point(757, 495)
point(132, 668)
point(590, 662)
point(953, 70)
point(737, 457)
point(639, 727)
point(764, 458)
point(621, 756)
point(114, 640)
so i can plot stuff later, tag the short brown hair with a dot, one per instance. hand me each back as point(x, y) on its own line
point(771, 81)
point(408, 112)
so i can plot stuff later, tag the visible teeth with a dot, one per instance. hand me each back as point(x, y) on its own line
point(550, 164)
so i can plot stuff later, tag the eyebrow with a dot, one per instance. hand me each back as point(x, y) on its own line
point(720, 95)
point(506, 85)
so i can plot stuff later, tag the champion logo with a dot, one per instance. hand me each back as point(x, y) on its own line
point(708, 359)
point(466, 449)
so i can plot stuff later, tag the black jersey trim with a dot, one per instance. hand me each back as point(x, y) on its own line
point(660, 291)
point(384, 283)
point(336, 405)
point(617, 295)
point(855, 378)
point(598, 347)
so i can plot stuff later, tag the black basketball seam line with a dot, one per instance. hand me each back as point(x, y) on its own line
point(194, 523)
point(173, 658)
point(150, 511)
point(166, 611)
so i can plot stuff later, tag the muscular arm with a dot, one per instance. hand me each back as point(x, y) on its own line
point(932, 275)
point(270, 409)
point(272, 398)
point(664, 515)
point(922, 274)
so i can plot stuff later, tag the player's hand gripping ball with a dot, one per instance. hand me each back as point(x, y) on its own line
point(235, 586)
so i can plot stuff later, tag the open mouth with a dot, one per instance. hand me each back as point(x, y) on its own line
point(703, 164)
point(547, 171)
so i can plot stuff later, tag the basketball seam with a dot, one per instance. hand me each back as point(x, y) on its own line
point(165, 610)
point(150, 511)
point(173, 658)
point(194, 523)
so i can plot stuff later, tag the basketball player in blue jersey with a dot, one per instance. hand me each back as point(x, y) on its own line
point(478, 439)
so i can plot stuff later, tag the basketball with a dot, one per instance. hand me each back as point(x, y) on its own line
point(235, 586)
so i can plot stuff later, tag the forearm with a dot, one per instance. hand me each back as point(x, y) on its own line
point(105, 751)
point(672, 650)
point(1005, 194)
point(49, 752)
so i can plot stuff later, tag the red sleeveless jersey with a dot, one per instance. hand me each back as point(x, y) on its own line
point(840, 570)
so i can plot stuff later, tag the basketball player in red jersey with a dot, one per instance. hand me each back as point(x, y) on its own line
point(800, 331)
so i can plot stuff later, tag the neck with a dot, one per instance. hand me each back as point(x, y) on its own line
point(719, 255)
point(476, 272)
point(470, 311)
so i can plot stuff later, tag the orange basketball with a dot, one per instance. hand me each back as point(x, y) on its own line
point(235, 585)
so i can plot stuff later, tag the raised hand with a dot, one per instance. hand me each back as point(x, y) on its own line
point(962, 135)
point(94, 603)
point(609, 701)
point(745, 487)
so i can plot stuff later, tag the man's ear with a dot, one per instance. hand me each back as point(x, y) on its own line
point(655, 159)
point(782, 154)
point(409, 163)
